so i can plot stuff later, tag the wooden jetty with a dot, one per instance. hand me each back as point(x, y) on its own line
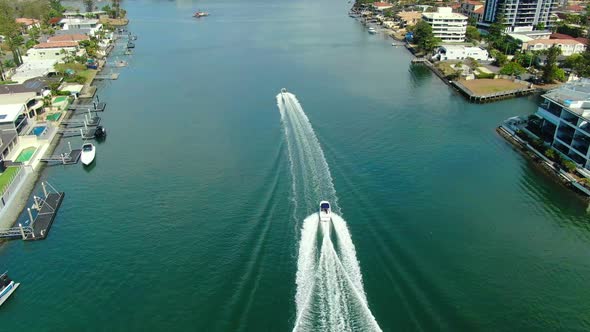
point(112, 76)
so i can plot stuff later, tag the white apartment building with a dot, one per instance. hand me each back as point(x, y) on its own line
point(51, 51)
point(446, 25)
point(461, 52)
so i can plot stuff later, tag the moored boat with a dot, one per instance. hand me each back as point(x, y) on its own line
point(325, 212)
point(372, 30)
point(7, 287)
point(88, 154)
point(200, 14)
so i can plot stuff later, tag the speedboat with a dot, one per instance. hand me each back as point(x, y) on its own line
point(283, 91)
point(100, 132)
point(200, 14)
point(88, 154)
point(7, 287)
point(372, 30)
point(325, 211)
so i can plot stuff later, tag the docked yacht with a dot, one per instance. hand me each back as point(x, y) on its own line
point(7, 287)
point(372, 30)
point(88, 154)
point(325, 211)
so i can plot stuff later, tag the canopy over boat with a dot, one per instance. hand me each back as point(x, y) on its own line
point(325, 211)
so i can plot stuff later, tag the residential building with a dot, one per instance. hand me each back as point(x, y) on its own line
point(567, 46)
point(521, 12)
point(75, 37)
point(51, 51)
point(409, 18)
point(28, 23)
point(381, 6)
point(473, 9)
point(461, 52)
point(446, 25)
point(90, 26)
point(526, 34)
point(565, 121)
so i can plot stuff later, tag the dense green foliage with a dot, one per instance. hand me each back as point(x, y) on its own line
point(551, 72)
point(424, 38)
point(472, 34)
point(513, 69)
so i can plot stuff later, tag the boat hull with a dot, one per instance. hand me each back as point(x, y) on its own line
point(87, 158)
point(6, 295)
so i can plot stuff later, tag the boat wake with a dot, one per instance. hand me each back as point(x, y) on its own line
point(330, 294)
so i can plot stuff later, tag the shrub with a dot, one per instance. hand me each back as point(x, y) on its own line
point(522, 134)
point(551, 154)
point(485, 75)
point(569, 165)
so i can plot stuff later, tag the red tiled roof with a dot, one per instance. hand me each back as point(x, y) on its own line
point(27, 21)
point(582, 40)
point(560, 36)
point(60, 44)
point(55, 20)
point(575, 8)
point(74, 37)
point(382, 4)
point(471, 2)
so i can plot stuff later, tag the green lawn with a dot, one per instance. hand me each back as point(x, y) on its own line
point(5, 178)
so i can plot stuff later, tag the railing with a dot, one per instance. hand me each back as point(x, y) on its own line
point(13, 183)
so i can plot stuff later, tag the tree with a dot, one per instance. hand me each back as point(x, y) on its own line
point(472, 34)
point(540, 26)
point(424, 37)
point(496, 31)
point(512, 69)
point(524, 59)
point(89, 4)
point(500, 59)
point(551, 71)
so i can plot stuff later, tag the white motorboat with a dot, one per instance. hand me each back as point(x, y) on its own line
point(7, 287)
point(372, 30)
point(199, 14)
point(283, 91)
point(88, 154)
point(325, 211)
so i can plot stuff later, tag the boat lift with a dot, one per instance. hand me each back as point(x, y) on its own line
point(89, 120)
point(37, 227)
point(67, 158)
point(94, 107)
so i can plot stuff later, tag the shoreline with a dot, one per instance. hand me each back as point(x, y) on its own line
point(9, 217)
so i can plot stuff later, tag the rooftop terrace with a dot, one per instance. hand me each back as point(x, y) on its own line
point(575, 96)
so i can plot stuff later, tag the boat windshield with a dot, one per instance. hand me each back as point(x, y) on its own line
point(325, 206)
point(87, 148)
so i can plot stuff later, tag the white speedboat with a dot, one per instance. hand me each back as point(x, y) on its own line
point(283, 91)
point(372, 30)
point(88, 153)
point(7, 287)
point(199, 14)
point(325, 211)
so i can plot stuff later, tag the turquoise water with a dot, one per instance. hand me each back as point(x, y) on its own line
point(188, 222)
point(38, 130)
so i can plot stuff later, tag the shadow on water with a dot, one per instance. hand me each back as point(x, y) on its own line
point(90, 167)
point(419, 74)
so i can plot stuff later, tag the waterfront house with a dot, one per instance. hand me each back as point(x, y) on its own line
point(409, 18)
point(472, 9)
point(461, 52)
point(74, 37)
point(89, 26)
point(564, 121)
point(448, 26)
point(52, 51)
point(381, 6)
point(567, 46)
point(28, 23)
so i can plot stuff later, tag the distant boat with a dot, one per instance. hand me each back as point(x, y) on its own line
point(200, 14)
point(7, 287)
point(88, 154)
point(130, 45)
point(325, 211)
point(372, 30)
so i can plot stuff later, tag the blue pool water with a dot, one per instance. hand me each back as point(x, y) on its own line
point(39, 130)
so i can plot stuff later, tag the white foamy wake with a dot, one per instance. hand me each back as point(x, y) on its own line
point(330, 294)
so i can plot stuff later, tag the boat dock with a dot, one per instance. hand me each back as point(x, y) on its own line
point(112, 76)
point(37, 227)
point(94, 107)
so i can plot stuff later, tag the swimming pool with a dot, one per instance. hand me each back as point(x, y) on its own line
point(39, 130)
point(60, 99)
point(25, 154)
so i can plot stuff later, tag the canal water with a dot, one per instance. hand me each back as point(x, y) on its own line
point(190, 219)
